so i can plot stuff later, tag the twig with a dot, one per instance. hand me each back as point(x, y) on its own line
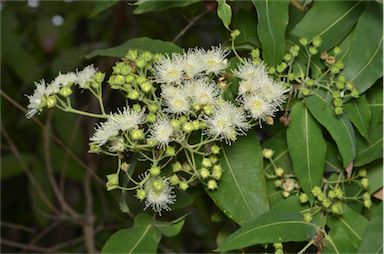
point(16, 226)
point(191, 23)
point(22, 245)
point(42, 233)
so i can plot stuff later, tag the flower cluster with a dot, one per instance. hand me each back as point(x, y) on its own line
point(176, 116)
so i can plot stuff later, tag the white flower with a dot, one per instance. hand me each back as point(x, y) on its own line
point(127, 119)
point(227, 122)
point(192, 63)
point(176, 99)
point(259, 108)
point(254, 77)
point(104, 132)
point(274, 92)
point(85, 75)
point(169, 69)
point(36, 98)
point(162, 132)
point(160, 194)
point(66, 79)
point(214, 60)
point(201, 92)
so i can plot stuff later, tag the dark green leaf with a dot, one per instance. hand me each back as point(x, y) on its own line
point(337, 241)
point(12, 166)
point(375, 176)
point(100, 6)
point(281, 158)
point(270, 227)
point(170, 228)
point(368, 151)
point(352, 223)
point(331, 20)
point(307, 147)
point(143, 237)
point(273, 19)
point(332, 162)
point(242, 193)
point(224, 12)
point(245, 22)
point(145, 6)
point(363, 66)
point(142, 43)
point(359, 113)
point(340, 128)
point(372, 241)
point(291, 204)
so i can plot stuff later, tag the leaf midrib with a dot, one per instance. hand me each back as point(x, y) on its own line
point(141, 238)
point(307, 147)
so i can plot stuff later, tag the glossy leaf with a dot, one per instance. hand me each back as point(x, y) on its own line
point(245, 21)
point(224, 12)
point(337, 241)
point(331, 20)
point(359, 113)
point(291, 204)
point(281, 158)
point(273, 20)
point(100, 6)
point(353, 224)
point(340, 128)
point(270, 227)
point(364, 65)
point(368, 151)
point(375, 176)
point(372, 241)
point(145, 6)
point(332, 161)
point(242, 193)
point(170, 228)
point(143, 237)
point(306, 147)
point(141, 43)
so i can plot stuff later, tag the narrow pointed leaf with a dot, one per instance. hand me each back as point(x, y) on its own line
point(224, 12)
point(242, 193)
point(171, 228)
point(359, 113)
point(331, 20)
point(339, 127)
point(145, 6)
point(372, 241)
point(364, 60)
point(270, 227)
point(273, 19)
point(307, 147)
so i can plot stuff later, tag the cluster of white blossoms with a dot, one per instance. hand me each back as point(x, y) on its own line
point(45, 94)
point(176, 111)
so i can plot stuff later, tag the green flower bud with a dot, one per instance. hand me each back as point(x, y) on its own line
point(279, 171)
point(362, 172)
point(341, 78)
point(133, 94)
point(213, 159)
point(136, 107)
point(132, 54)
point(337, 208)
point(355, 93)
point(146, 87)
point(349, 85)
point(287, 57)
point(364, 183)
point(153, 107)
point(65, 91)
point(235, 33)
point(326, 203)
point(366, 196)
point(278, 245)
point(303, 198)
point(170, 151)
point(339, 64)
point(187, 167)
point(271, 70)
point(196, 107)
point(337, 50)
point(277, 183)
point(113, 181)
point(212, 184)
point(157, 57)
point(255, 53)
point(119, 79)
point(281, 67)
point(183, 185)
point(157, 184)
point(94, 148)
point(206, 163)
point(140, 63)
point(126, 69)
point(308, 217)
point(268, 153)
point(331, 194)
point(279, 251)
point(291, 76)
point(303, 41)
point(339, 193)
point(335, 70)
point(306, 91)
point(204, 173)
point(367, 203)
point(217, 172)
point(188, 127)
point(141, 194)
point(339, 110)
point(321, 197)
point(151, 118)
point(51, 101)
point(137, 134)
point(316, 41)
point(339, 85)
point(215, 149)
point(174, 179)
point(313, 50)
point(196, 124)
point(154, 170)
point(316, 191)
point(335, 94)
point(309, 82)
point(183, 119)
point(176, 167)
point(129, 78)
point(124, 166)
point(338, 102)
point(147, 56)
point(99, 77)
point(208, 109)
point(286, 194)
point(175, 123)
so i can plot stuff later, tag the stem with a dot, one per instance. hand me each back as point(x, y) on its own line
point(306, 247)
point(76, 111)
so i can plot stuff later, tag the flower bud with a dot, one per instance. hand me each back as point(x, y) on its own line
point(303, 198)
point(94, 148)
point(335, 94)
point(170, 151)
point(355, 93)
point(129, 78)
point(339, 193)
point(124, 166)
point(183, 185)
point(306, 91)
point(176, 167)
point(271, 70)
point(154, 170)
point(133, 94)
point(213, 159)
point(364, 183)
point(308, 217)
point(337, 50)
point(196, 124)
point(204, 173)
point(235, 33)
point(362, 172)
point(331, 194)
point(337, 208)
point(316, 191)
point(338, 102)
point(267, 153)
point(313, 50)
point(132, 54)
point(316, 41)
point(367, 203)
point(65, 91)
point(323, 55)
point(217, 172)
point(206, 163)
point(51, 101)
point(339, 110)
point(151, 118)
point(137, 134)
point(175, 124)
point(277, 183)
point(326, 203)
point(278, 245)
point(146, 87)
point(330, 59)
point(113, 181)
point(136, 107)
point(212, 185)
point(208, 109)
point(286, 194)
point(147, 56)
point(287, 57)
point(303, 41)
point(309, 82)
point(174, 179)
point(255, 53)
point(366, 196)
point(99, 77)
point(141, 194)
point(279, 171)
point(187, 167)
point(188, 127)
point(215, 149)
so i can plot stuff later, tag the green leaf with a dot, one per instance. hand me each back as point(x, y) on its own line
point(144, 6)
point(224, 12)
point(273, 20)
point(143, 237)
point(332, 161)
point(291, 204)
point(242, 193)
point(359, 113)
point(368, 151)
point(170, 228)
point(352, 223)
point(141, 43)
point(375, 176)
point(331, 20)
point(100, 6)
point(340, 128)
point(307, 147)
point(270, 227)
point(281, 158)
point(245, 21)
point(12, 166)
point(364, 61)
point(372, 241)
point(337, 241)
